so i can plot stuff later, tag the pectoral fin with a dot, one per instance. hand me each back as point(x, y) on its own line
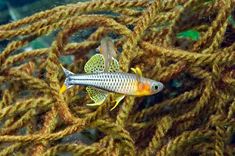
point(97, 95)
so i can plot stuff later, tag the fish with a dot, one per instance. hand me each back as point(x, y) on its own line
point(99, 83)
point(108, 50)
point(118, 82)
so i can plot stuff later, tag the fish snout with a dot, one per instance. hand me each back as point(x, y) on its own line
point(160, 86)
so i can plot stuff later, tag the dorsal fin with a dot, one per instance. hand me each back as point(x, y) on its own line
point(96, 65)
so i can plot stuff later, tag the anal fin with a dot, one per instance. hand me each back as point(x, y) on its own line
point(97, 95)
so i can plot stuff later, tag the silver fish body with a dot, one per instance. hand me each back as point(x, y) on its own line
point(124, 83)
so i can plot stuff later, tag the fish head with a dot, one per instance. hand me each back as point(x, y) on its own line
point(156, 86)
point(148, 87)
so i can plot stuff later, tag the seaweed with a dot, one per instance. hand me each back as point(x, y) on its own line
point(194, 115)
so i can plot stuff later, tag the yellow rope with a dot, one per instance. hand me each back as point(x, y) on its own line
point(193, 115)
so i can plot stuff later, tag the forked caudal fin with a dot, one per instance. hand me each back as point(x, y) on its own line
point(66, 86)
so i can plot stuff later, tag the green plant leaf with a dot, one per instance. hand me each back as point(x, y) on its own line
point(231, 21)
point(189, 34)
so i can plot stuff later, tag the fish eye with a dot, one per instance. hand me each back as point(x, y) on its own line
point(155, 87)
